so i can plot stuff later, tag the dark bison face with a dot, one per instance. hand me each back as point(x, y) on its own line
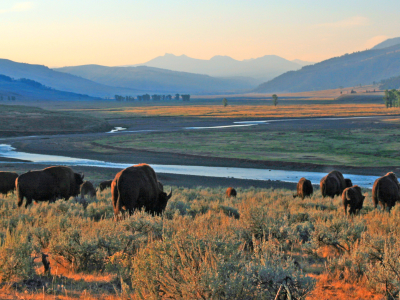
point(78, 182)
point(164, 199)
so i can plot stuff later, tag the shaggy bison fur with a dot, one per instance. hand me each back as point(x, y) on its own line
point(48, 184)
point(230, 192)
point(7, 182)
point(105, 184)
point(304, 188)
point(137, 187)
point(352, 197)
point(87, 188)
point(333, 184)
point(386, 191)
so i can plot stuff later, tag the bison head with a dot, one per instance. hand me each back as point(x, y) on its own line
point(163, 200)
point(78, 183)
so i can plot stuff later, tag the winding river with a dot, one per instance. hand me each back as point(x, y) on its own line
point(7, 151)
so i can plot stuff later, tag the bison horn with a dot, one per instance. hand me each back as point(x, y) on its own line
point(82, 175)
point(169, 195)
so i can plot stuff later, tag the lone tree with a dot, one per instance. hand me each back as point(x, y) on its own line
point(275, 99)
point(224, 102)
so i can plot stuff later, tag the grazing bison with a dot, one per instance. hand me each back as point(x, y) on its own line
point(333, 184)
point(386, 191)
point(352, 196)
point(104, 185)
point(136, 187)
point(48, 184)
point(7, 182)
point(68, 182)
point(304, 188)
point(36, 185)
point(87, 188)
point(230, 192)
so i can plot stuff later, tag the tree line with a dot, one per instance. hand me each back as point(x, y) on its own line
point(9, 98)
point(392, 98)
point(155, 97)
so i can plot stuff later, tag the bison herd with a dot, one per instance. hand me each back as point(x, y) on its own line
point(137, 187)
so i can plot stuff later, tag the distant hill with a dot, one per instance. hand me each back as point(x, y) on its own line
point(60, 81)
point(303, 62)
point(26, 89)
point(160, 80)
point(261, 69)
point(391, 83)
point(387, 43)
point(348, 70)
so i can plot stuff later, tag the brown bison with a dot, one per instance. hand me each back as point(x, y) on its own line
point(333, 184)
point(104, 185)
point(386, 191)
point(304, 188)
point(7, 182)
point(36, 185)
point(230, 192)
point(48, 184)
point(87, 188)
point(137, 187)
point(352, 196)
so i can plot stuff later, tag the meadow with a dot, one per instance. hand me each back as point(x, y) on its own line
point(261, 245)
point(241, 110)
point(361, 147)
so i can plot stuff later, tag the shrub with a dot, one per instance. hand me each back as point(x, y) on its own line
point(15, 255)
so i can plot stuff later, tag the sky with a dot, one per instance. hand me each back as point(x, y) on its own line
point(60, 33)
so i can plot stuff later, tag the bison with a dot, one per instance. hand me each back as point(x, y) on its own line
point(230, 192)
point(304, 188)
point(48, 184)
point(352, 196)
point(7, 182)
point(348, 182)
point(87, 188)
point(137, 187)
point(36, 185)
point(104, 185)
point(68, 182)
point(333, 184)
point(386, 191)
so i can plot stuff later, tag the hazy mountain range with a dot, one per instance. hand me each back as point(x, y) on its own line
point(60, 81)
point(261, 69)
point(26, 89)
point(159, 80)
point(188, 75)
point(357, 68)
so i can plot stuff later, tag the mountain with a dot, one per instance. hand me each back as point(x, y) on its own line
point(391, 83)
point(303, 62)
point(363, 67)
point(160, 80)
point(261, 69)
point(387, 43)
point(26, 89)
point(60, 81)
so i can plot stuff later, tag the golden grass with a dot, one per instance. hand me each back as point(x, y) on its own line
point(252, 111)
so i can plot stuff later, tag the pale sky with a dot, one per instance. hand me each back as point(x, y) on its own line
point(119, 32)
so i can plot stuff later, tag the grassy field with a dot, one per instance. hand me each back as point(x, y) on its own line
point(360, 147)
point(17, 119)
point(242, 111)
point(204, 247)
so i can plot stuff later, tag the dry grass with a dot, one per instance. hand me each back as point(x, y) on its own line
point(249, 111)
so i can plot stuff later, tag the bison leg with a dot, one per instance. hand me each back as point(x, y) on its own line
point(28, 202)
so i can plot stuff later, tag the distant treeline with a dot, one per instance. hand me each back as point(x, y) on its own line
point(155, 97)
point(391, 83)
point(9, 98)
